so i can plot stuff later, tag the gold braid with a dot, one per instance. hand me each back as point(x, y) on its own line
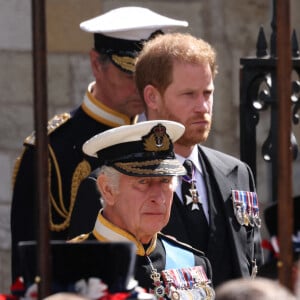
point(82, 170)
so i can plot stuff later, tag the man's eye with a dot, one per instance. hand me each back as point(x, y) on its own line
point(143, 181)
point(166, 180)
point(208, 93)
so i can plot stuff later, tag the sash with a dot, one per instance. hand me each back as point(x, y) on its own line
point(177, 258)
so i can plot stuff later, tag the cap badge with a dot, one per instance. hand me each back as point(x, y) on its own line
point(157, 139)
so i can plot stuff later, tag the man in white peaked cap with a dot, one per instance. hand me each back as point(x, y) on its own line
point(137, 177)
point(110, 101)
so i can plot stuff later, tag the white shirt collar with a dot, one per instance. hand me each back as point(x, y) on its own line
point(194, 157)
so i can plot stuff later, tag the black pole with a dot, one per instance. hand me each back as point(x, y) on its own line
point(284, 158)
point(40, 117)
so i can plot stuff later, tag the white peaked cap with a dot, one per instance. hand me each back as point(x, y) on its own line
point(129, 133)
point(142, 149)
point(131, 23)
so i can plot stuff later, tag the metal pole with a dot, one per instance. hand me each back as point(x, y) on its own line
point(284, 185)
point(40, 117)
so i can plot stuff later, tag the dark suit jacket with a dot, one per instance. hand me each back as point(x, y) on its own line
point(231, 247)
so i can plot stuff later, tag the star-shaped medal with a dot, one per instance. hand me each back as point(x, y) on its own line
point(194, 199)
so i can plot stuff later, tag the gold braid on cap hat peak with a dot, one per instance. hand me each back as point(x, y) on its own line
point(135, 167)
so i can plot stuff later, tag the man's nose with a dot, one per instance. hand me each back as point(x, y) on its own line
point(202, 105)
point(157, 194)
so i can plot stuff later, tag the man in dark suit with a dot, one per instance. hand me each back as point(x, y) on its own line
point(220, 213)
point(110, 101)
point(220, 216)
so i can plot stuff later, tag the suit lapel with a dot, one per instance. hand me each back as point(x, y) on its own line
point(224, 176)
point(227, 179)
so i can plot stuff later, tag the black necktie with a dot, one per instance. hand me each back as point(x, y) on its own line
point(196, 221)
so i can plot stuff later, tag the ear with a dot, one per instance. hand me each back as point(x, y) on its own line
point(94, 60)
point(106, 190)
point(151, 96)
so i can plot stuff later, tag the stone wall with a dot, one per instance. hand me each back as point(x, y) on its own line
point(231, 26)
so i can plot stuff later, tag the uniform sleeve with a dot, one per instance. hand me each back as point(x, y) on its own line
point(23, 209)
point(86, 207)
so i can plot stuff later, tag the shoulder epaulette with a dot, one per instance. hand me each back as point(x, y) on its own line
point(174, 241)
point(53, 124)
point(79, 238)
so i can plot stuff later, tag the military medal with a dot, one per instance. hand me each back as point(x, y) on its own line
point(254, 269)
point(245, 206)
point(159, 289)
point(238, 207)
point(187, 283)
point(249, 199)
point(257, 219)
point(194, 197)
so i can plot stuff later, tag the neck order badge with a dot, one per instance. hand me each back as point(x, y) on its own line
point(189, 190)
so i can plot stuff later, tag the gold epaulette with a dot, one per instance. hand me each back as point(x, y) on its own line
point(53, 124)
point(79, 238)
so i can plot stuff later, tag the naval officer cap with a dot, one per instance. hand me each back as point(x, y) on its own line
point(120, 33)
point(143, 149)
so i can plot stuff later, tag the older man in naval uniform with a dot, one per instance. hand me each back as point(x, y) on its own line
point(137, 177)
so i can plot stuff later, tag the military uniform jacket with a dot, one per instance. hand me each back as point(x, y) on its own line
point(106, 232)
point(67, 167)
point(231, 248)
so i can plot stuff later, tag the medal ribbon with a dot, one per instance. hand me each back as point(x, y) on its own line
point(246, 208)
point(250, 208)
point(189, 178)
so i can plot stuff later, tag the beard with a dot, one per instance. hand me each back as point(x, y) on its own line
point(192, 137)
point(193, 134)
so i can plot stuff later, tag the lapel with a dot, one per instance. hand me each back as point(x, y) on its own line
point(224, 174)
point(229, 176)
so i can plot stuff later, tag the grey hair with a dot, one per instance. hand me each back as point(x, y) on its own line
point(113, 177)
